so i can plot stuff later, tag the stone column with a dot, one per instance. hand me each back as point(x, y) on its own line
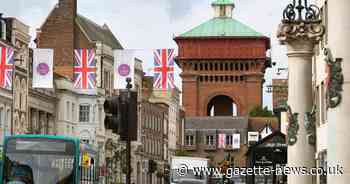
point(300, 39)
point(338, 151)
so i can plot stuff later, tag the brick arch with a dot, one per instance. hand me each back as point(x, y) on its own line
point(234, 98)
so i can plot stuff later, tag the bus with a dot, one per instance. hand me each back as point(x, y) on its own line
point(47, 159)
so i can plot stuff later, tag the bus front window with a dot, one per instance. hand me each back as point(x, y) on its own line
point(39, 162)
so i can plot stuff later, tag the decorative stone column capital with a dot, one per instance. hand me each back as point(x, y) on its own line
point(300, 31)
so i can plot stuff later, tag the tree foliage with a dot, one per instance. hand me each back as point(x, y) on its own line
point(182, 153)
point(258, 111)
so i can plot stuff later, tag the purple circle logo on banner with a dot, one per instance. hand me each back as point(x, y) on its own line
point(124, 70)
point(42, 68)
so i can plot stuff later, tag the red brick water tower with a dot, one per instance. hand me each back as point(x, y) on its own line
point(223, 63)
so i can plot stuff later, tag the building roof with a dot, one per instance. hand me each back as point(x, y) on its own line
point(217, 122)
point(222, 27)
point(256, 124)
point(96, 32)
point(223, 2)
point(266, 139)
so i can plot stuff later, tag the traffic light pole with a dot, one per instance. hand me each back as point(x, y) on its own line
point(128, 142)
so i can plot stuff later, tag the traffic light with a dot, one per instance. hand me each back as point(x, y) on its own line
point(121, 115)
point(131, 113)
point(112, 108)
point(152, 166)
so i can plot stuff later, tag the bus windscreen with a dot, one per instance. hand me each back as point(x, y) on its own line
point(39, 161)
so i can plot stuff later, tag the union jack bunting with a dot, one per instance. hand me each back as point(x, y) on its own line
point(6, 67)
point(164, 69)
point(84, 69)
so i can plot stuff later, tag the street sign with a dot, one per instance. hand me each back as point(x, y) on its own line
point(86, 160)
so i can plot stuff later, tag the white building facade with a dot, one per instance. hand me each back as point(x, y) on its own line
point(331, 85)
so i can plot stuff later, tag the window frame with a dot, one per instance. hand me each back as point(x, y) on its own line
point(86, 112)
point(209, 140)
point(189, 140)
point(229, 139)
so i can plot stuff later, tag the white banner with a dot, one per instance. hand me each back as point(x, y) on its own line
point(42, 68)
point(236, 143)
point(124, 61)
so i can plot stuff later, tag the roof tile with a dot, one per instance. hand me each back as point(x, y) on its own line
point(217, 122)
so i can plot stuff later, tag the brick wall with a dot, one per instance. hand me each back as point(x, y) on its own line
point(279, 93)
point(237, 48)
point(245, 96)
point(58, 32)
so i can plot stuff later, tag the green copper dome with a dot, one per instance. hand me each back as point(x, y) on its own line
point(222, 27)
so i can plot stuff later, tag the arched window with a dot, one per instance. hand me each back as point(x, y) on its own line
point(17, 93)
point(23, 95)
point(23, 127)
point(94, 113)
point(222, 106)
point(2, 117)
point(15, 126)
point(2, 29)
point(8, 119)
point(67, 110)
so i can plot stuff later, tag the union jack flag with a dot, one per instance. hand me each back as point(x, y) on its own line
point(164, 68)
point(84, 69)
point(6, 67)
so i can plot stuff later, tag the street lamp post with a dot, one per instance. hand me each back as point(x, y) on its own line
point(128, 141)
point(300, 30)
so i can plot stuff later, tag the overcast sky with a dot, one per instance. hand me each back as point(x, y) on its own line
point(149, 24)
